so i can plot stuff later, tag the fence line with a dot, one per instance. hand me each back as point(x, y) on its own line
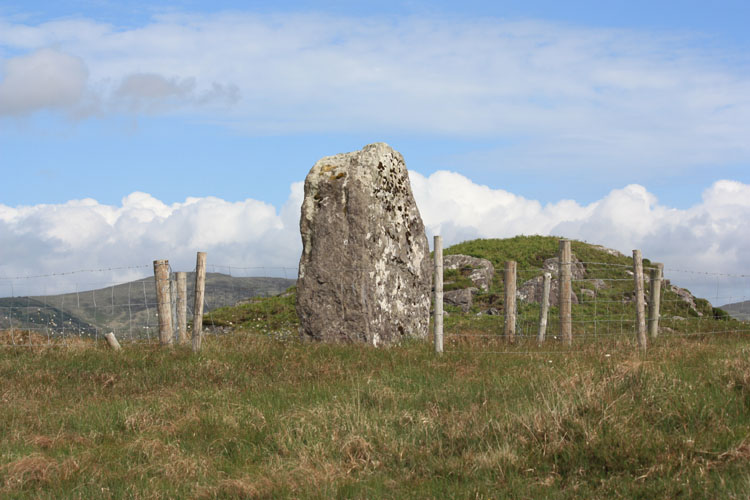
point(604, 306)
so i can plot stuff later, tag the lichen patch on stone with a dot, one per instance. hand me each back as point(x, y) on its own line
point(365, 273)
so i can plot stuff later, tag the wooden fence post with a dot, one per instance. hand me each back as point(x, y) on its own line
point(654, 304)
point(510, 301)
point(564, 291)
point(112, 341)
point(182, 307)
point(163, 301)
point(200, 290)
point(438, 318)
point(640, 302)
point(544, 311)
point(173, 305)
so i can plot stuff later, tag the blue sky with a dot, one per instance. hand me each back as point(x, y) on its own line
point(54, 159)
point(546, 111)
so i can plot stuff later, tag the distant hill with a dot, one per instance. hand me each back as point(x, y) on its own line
point(738, 310)
point(127, 308)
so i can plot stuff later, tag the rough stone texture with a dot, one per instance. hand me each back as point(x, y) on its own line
point(531, 290)
point(489, 312)
point(577, 270)
point(591, 294)
point(460, 298)
point(365, 273)
point(479, 271)
point(610, 251)
point(686, 297)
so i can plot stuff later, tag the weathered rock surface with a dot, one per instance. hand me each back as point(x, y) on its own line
point(591, 294)
point(489, 312)
point(577, 269)
point(531, 290)
point(479, 271)
point(610, 251)
point(365, 274)
point(687, 297)
point(460, 298)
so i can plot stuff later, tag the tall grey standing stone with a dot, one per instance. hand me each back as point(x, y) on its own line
point(365, 271)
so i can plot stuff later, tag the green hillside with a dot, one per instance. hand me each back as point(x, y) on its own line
point(128, 309)
point(610, 312)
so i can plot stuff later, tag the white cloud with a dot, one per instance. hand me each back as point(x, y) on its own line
point(44, 79)
point(585, 98)
point(711, 236)
point(84, 234)
point(152, 92)
point(152, 86)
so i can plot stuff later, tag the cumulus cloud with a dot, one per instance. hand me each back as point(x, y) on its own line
point(152, 86)
point(711, 236)
point(562, 95)
point(85, 234)
point(153, 92)
point(43, 79)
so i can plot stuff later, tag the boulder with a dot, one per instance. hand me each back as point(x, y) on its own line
point(577, 269)
point(460, 298)
point(531, 290)
point(479, 271)
point(610, 251)
point(687, 297)
point(365, 273)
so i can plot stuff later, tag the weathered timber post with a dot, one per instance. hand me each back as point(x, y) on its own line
point(200, 290)
point(112, 341)
point(173, 305)
point(654, 305)
point(510, 301)
point(544, 311)
point(564, 290)
point(640, 302)
point(182, 307)
point(163, 301)
point(438, 298)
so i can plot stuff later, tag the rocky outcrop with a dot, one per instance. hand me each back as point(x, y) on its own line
point(531, 290)
point(365, 271)
point(460, 298)
point(610, 251)
point(687, 297)
point(577, 269)
point(479, 271)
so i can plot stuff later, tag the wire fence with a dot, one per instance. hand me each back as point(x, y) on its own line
point(94, 304)
point(603, 301)
point(603, 297)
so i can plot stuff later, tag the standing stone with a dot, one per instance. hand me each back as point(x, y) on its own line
point(365, 271)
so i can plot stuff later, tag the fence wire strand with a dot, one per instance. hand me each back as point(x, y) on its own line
point(603, 298)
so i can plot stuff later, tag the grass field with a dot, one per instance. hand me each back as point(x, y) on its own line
point(260, 414)
point(258, 417)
